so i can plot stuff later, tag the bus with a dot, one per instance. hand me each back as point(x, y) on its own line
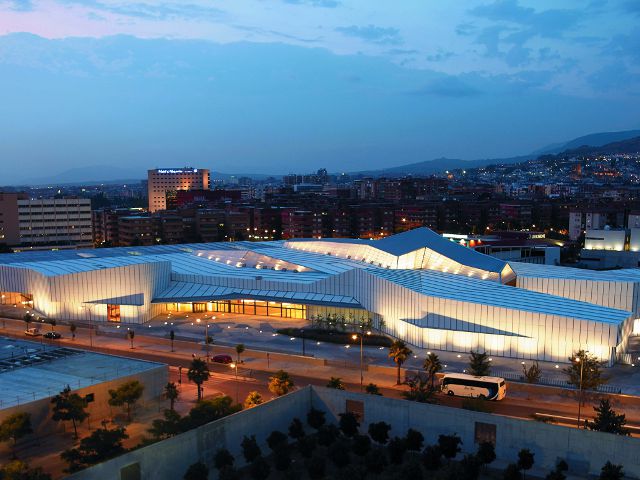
point(463, 385)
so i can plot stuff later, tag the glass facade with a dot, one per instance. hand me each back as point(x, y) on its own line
point(244, 307)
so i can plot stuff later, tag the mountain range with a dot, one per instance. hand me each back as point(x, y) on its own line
point(614, 142)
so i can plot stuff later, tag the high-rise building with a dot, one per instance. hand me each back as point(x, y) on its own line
point(163, 181)
point(45, 222)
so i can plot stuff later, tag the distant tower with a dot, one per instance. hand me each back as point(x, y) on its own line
point(163, 180)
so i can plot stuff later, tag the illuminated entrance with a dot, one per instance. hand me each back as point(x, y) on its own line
point(243, 307)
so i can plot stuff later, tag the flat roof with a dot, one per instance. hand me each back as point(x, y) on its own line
point(30, 371)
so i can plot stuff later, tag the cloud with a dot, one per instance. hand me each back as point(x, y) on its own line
point(450, 87)
point(18, 5)
point(315, 3)
point(150, 11)
point(372, 33)
point(440, 56)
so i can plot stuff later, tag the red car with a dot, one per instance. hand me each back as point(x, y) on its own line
point(226, 359)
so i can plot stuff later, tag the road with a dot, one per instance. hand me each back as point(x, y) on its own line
point(522, 400)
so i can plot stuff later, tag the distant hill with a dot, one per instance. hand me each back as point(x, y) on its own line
point(631, 145)
point(439, 165)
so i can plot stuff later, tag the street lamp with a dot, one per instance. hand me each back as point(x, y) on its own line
point(355, 337)
point(235, 367)
point(90, 308)
point(581, 362)
point(206, 337)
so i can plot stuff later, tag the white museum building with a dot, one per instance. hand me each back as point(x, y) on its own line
point(427, 290)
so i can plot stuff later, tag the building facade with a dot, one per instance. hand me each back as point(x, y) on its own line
point(418, 286)
point(28, 223)
point(167, 181)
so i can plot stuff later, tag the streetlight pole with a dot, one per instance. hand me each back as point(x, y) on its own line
point(355, 337)
point(578, 359)
point(235, 366)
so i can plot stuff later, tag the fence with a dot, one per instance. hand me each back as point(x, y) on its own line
point(554, 382)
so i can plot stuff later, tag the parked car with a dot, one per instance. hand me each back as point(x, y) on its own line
point(54, 335)
point(222, 358)
point(34, 331)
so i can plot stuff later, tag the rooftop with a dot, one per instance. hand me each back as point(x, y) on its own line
point(30, 371)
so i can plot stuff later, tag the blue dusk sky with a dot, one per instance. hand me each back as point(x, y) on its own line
point(277, 86)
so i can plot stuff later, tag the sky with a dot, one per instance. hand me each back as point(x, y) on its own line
point(281, 86)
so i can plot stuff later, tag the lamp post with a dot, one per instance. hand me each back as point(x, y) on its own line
point(235, 367)
point(355, 337)
point(90, 308)
point(580, 389)
point(303, 351)
point(206, 336)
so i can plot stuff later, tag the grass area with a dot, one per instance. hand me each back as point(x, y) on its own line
point(336, 336)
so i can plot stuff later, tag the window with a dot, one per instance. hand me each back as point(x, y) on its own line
point(113, 313)
point(485, 432)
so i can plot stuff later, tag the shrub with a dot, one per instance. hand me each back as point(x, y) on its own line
point(414, 440)
point(327, 435)
point(339, 454)
point(197, 471)
point(315, 467)
point(349, 423)
point(379, 432)
point(397, 447)
point(296, 430)
point(361, 445)
point(316, 418)
point(376, 460)
point(486, 453)
point(372, 389)
point(432, 457)
point(259, 469)
point(276, 439)
point(306, 446)
point(512, 472)
point(223, 458)
point(250, 448)
point(282, 459)
point(449, 445)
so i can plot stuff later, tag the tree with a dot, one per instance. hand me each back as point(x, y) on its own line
point(239, 350)
point(558, 472)
point(69, 406)
point(525, 460)
point(259, 469)
point(349, 423)
point(207, 411)
point(607, 420)
point(432, 365)
point(449, 445)
point(361, 445)
point(172, 424)
point(339, 454)
point(486, 453)
point(172, 337)
point(533, 373)
point(328, 434)
point(276, 439)
point(296, 429)
point(250, 448)
point(253, 399)
point(419, 391)
point(281, 458)
point(126, 394)
point(590, 367)
point(399, 353)
point(315, 418)
point(72, 328)
point(222, 459)
point(479, 364)
point(372, 389)
point(379, 432)
point(17, 470)
point(414, 440)
point(611, 472)
point(197, 471)
point(432, 457)
point(316, 467)
point(397, 448)
point(101, 445)
point(336, 383)
point(512, 472)
point(171, 393)
point(14, 427)
point(280, 383)
point(306, 445)
point(376, 461)
point(198, 373)
point(131, 335)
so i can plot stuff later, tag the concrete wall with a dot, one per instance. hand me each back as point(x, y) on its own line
point(153, 379)
point(170, 459)
point(584, 451)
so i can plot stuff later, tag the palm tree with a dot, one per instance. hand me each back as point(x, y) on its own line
point(280, 383)
point(239, 350)
point(254, 398)
point(198, 373)
point(399, 352)
point(432, 365)
point(336, 383)
point(171, 393)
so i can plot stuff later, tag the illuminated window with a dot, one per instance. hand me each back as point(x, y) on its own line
point(113, 313)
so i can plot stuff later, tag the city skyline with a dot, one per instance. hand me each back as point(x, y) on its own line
point(240, 89)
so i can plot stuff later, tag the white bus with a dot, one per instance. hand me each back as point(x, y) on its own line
point(463, 385)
